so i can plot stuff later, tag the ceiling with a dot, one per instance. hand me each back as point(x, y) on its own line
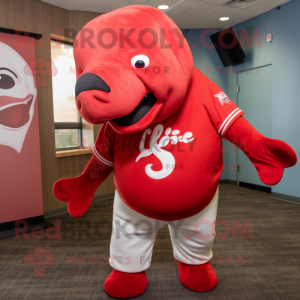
point(185, 13)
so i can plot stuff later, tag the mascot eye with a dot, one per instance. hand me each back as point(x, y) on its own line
point(6, 82)
point(140, 61)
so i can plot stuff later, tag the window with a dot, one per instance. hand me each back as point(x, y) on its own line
point(68, 123)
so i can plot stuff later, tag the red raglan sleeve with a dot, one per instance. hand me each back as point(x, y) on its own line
point(104, 146)
point(222, 111)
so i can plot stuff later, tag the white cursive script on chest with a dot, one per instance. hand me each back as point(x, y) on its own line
point(166, 158)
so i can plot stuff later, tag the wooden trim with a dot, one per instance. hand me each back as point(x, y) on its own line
point(65, 153)
point(36, 36)
point(61, 39)
point(66, 125)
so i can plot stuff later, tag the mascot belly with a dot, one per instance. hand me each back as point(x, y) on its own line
point(174, 159)
point(163, 124)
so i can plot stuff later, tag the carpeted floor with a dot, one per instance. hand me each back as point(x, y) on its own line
point(266, 266)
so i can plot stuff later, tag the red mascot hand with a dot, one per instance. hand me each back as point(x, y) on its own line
point(79, 191)
point(269, 156)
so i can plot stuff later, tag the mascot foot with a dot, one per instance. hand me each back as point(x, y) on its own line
point(198, 278)
point(125, 285)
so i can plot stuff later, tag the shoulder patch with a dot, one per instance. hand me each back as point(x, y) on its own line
point(222, 97)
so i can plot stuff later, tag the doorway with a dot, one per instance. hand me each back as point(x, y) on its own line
point(255, 100)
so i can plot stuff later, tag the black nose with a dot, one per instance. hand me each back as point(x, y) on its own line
point(90, 81)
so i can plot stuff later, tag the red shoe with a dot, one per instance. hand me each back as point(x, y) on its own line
point(125, 285)
point(198, 278)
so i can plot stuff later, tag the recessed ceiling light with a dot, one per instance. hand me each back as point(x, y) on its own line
point(224, 19)
point(163, 6)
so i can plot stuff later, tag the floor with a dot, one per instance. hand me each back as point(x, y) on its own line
point(263, 266)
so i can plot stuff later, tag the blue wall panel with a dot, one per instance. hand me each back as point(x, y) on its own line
point(206, 60)
point(286, 87)
point(284, 55)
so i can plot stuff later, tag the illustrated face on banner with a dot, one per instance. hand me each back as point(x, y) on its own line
point(17, 98)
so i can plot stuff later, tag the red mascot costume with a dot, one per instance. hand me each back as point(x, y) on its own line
point(163, 124)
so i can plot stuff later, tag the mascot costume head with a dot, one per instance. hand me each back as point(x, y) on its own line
point(138, 51)
point(163, 124)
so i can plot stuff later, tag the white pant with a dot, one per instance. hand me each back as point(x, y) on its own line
point(134, 235)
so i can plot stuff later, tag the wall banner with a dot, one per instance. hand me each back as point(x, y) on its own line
point(20, 163)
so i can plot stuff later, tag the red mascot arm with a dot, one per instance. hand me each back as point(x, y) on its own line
point(79, 191)
point(269, 156)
